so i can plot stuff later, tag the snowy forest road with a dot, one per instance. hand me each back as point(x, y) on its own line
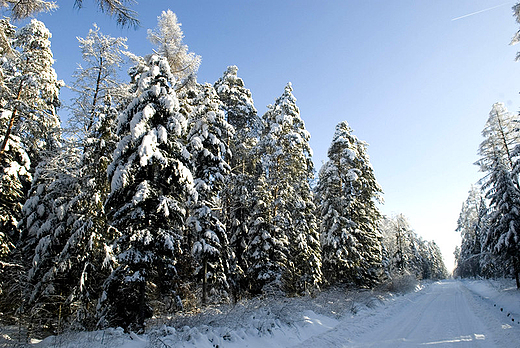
point(445, 314)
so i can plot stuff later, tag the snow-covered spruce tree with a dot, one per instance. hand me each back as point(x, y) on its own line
point(347, 195)
point(15, 180)
point(69, 267)
point(288, 169)
point(502, 237)
point(437, 268)
point(497, 152)
point(208, 136)
point(237, 195)
point(267, 251)
point(150, 184)
point(30, 92)
point(29, 125)
point(66, 231)
point(15, 177)
point(469, 225)
point(44, 228)
point(84, 260)
point(168, 38)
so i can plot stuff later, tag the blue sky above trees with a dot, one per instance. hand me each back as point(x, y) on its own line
point(410, 80)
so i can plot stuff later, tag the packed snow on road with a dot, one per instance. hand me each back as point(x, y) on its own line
point(451, 313)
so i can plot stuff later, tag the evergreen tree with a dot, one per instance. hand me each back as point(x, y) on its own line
point(69, 267)
point(29, 124)
point(435, 262)
point(96, 83)
point(15, 180)
point(30, 129)
point(409, 255)
point(267, 252)
point(502, 236)
point(118, 9)
point(44, 229)
point(150, 183)
point(237, 194)
point(208, 136)
point(501, 135)
point(469, 225)
point(497, 152)
point(348, 192)
point(287, 164)
point(21, 9)
point(168, 38)
point(30, 93)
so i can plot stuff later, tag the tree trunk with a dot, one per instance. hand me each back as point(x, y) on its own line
point(142, 305)
point(11, 123)
point(204, 282)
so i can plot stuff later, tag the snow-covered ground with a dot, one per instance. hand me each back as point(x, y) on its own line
point(468, 313)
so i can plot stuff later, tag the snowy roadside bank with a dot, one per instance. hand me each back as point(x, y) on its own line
point(270, 321)
point(501, 295)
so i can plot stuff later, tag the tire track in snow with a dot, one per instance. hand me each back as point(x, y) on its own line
point(444, 314)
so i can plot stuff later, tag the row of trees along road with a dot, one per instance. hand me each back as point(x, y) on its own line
point(193, 199)
point(489, 221)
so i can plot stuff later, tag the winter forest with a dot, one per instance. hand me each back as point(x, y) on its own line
point(160, 194)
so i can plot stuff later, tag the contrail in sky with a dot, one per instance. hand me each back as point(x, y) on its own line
point(484, 10)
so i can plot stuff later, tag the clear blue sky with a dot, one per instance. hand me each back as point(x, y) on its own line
point(411, 81)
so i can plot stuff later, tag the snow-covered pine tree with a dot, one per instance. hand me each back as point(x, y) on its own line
point(150, 184)
point(502, 237)
point(497, 151)
point(469, 225)
point(237, 195)
point(30, 92)
point(118, 9)
point(501, 136)
point(168, 38)
point(21, 9)
point(347, 195)
point(29, 125)
point(207, 142)
point(288, 169)
point(24, 9)
point(15, 177)
point(96, 80)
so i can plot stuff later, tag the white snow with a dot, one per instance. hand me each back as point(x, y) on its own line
point(441, 314)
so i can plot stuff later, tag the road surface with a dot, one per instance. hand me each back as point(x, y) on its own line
point(445, 314)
